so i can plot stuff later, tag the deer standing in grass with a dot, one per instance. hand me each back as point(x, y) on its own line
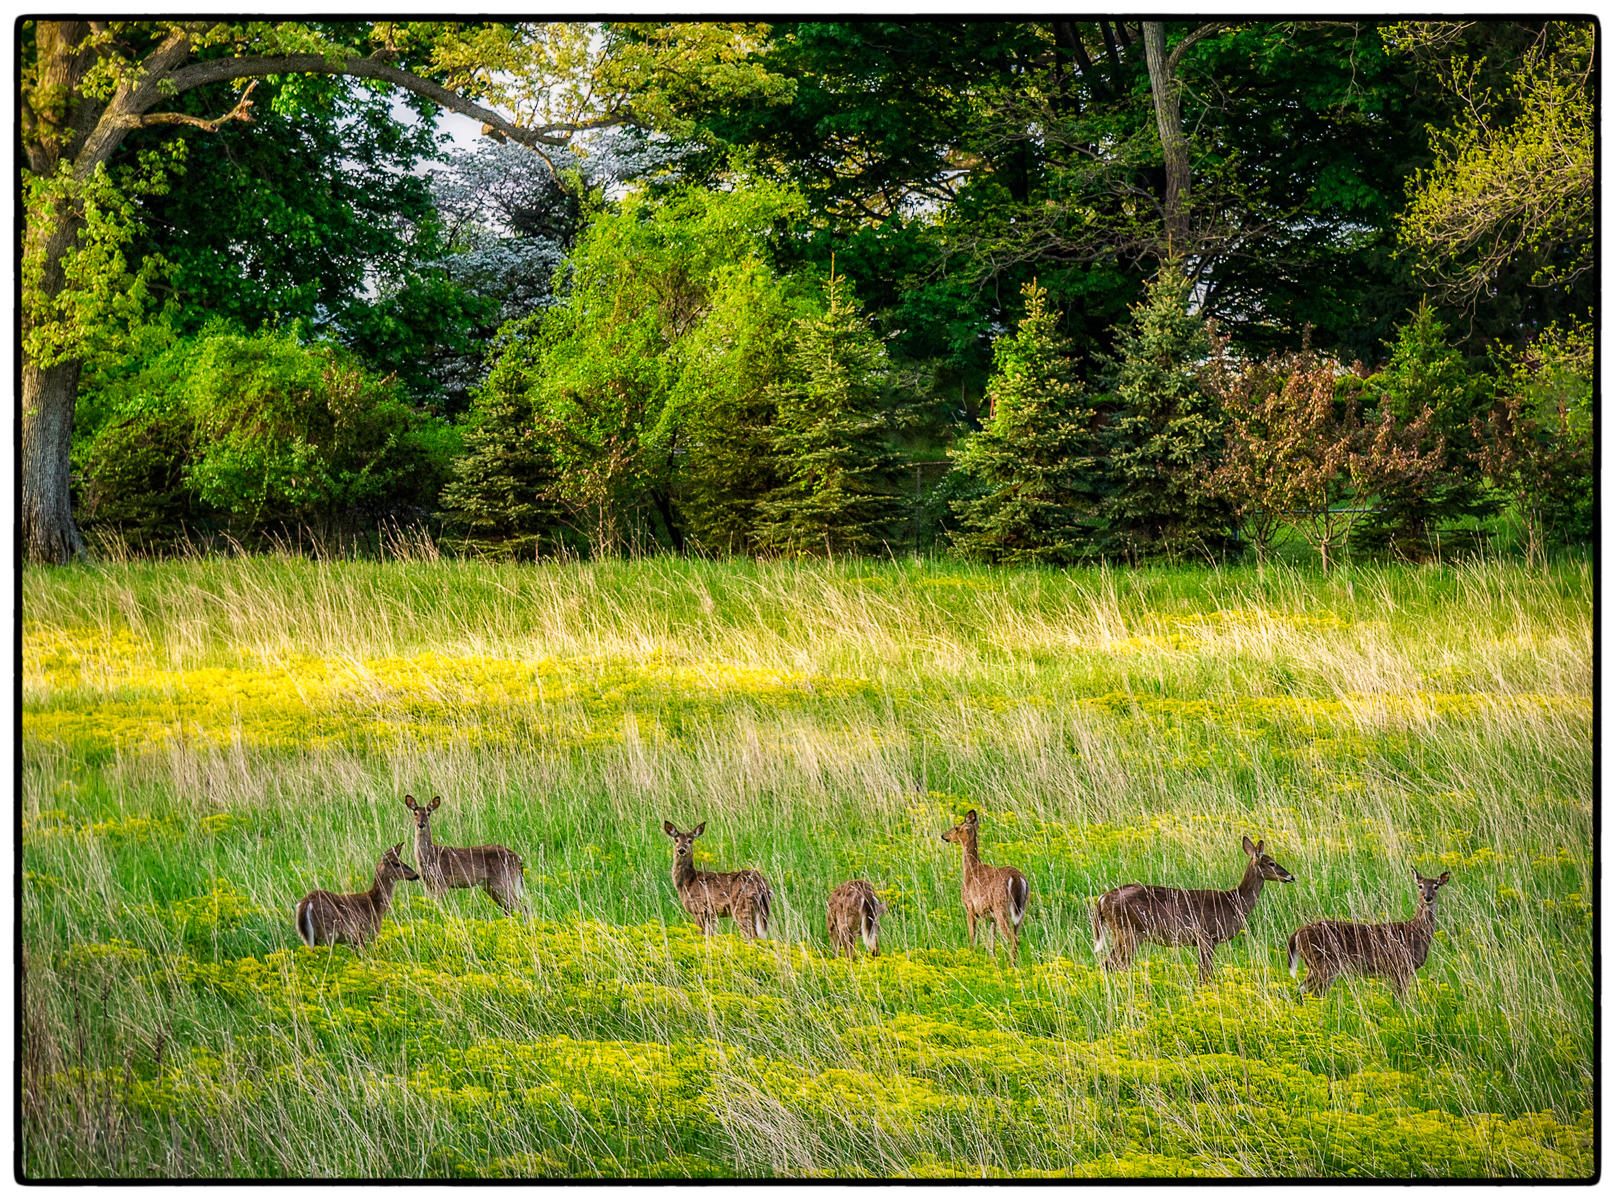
point(1393, 950)
point(1200, 917)
point(707, 895)
point(854, 911)
point(997, 892)
point(497, 870)
point(326, 918)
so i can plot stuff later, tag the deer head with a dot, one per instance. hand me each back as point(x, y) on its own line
point(957, 833)
point(682, 842)
point(1427, 887)
point(393, 867)
point(423, 812)
point(1265, 865)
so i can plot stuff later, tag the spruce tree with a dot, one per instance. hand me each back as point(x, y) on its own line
point(1167, 437)
point(838, 494)
point(500, 496)
point(1035, 465)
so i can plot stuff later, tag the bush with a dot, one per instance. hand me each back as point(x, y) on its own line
point(247, 434)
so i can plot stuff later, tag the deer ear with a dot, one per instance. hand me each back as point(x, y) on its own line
point(409, 801)
point(436, 800)
point(1416, 876)
point(1443, 879)
point(667, 828)
point(397, 848)
point(1261, 845)
point(698, 830)
point(1250, 846)
point(971, 818)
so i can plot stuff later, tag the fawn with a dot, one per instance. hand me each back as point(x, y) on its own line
point(326, 918)
point(1393, 950)
point(998, 892)
point(1199, 917)
point(854, 911)
point(497, 870)
point(707, 895)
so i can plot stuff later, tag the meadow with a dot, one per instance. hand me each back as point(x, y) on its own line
point(206, 740)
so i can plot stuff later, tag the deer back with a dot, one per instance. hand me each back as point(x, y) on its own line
point(1174, 916)
point(716, 893)
point(1389, 948)
point(466, 866)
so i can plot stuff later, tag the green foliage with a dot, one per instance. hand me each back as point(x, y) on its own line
point(1513, 179)
point(672, 327)
point(1425, 371)
point(253, 432)
point(838, 492)
point(1168, 433)
point(1537, 442)
point(499, 493)
point(1037, 462)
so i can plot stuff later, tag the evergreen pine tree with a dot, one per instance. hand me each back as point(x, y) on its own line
point(1036, 464)
point(499, 496)
point(838, 494)
point(1168, 435)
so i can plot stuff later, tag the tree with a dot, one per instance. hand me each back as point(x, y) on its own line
point(86, 85)
point(1426, 384)
point(1037, 460)
point(1281, 420)
point(830, 436)
point(1513, 177)
point(1536, 443)
point(500, 492)
point(1168, 431)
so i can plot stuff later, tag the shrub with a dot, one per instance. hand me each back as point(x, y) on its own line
point(253, 433)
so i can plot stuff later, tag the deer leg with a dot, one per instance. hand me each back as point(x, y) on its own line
point(1014, 943)
point(970, 920)
point(992, 936)
point(1121, 951)
point(1206, 948)
point(1318, 981)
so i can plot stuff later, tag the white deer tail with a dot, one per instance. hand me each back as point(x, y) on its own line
point(1019, 892)
point(1295, 956)
point(305, 924)
point(761, 913)
point(1101, 932)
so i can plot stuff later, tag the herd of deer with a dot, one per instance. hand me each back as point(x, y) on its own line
point(1200, 917)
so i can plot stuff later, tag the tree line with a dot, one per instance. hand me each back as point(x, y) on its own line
point(711, 287)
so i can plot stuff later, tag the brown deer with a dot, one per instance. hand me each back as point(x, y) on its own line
point(854, 911)
point(497, 870)
point(1200, 917)
point(998, 892)
point(707, 895)
point(326, 918)
point(1393, 950)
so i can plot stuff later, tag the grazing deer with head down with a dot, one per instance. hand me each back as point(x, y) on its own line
point(707, 895)
point(1393, 950)
point(854, 911)
point(997, 892)
point(1199, 917)
point(497, 870)
point(326, 918)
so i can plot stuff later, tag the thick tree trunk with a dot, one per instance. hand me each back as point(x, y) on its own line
point(1174, 146)
point(48, 396)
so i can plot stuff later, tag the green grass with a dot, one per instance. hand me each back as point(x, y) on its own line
point(205, 741)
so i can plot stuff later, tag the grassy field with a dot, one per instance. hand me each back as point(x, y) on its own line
point(206, 741)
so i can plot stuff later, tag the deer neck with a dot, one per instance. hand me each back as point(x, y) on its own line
point(683, 869)
point(1422, 928)
point(972, 859)
point(1249, 890)
point(381, 892)
point(424, 846)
